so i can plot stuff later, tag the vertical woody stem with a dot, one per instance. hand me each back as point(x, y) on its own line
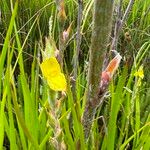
point(102, 21)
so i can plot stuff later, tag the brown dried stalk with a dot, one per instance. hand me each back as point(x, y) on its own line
point(120, 22)
point(78, 41)
point(78, 38)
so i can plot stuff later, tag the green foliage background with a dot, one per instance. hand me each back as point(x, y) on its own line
point(31, 117)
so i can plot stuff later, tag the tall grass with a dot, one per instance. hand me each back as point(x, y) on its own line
point(32, 116)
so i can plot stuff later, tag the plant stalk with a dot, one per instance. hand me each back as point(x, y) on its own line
point(102, 21)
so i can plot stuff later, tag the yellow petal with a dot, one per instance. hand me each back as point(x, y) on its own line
point(140, 72)
point(51, 71)
point(58, 82)
point(50, 67)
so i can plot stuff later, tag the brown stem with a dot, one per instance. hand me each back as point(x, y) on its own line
point(78, 39)
point(76, 55)
point(102, 21)
point(125, 16)
point(76, 58)
point(61, 19)
point(120, 22)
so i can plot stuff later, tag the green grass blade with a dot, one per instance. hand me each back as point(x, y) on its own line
point(20, 118)
point(2, 106)
point(130, 138)
point(116, 103)
point(7, 40)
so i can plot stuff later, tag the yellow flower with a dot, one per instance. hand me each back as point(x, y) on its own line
point(140, 75)
point(58, 82)
point(52, 72)
point(50, 67)
point(140, 72)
